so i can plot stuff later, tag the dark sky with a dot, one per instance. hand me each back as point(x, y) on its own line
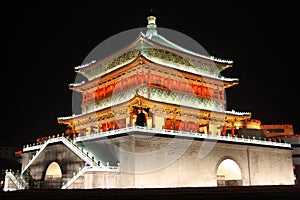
point(41, 46)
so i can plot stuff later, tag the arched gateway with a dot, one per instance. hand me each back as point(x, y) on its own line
point(229, 173)
point(53, 176)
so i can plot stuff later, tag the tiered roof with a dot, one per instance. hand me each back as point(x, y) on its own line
point(155, 48)
point(158, 49)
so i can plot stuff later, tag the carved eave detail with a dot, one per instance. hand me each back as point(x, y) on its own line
point(135, 58)
point(123, 110)
point(228, 84)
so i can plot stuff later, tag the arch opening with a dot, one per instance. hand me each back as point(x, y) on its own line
point(53, 176)
point(229, 173)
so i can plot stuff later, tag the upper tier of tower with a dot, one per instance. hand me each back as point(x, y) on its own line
point(157, 49)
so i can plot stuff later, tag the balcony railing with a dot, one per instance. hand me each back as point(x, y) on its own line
point(152, 131)
point(91, 169)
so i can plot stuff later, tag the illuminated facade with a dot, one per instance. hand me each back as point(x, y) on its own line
point(177, 89)
point(153, 115)
point(278, 130)
point(285, 132)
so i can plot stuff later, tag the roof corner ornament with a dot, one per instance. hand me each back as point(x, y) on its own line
point(151, 27)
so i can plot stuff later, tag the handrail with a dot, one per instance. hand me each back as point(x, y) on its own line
point(76, 150)
point(33, 147)
point(147, 130)
point(91, 169)
point(35, 156)
point(75, 177)
point(19, 184)
point(165, 131)
point(69, 144)
point(180, 133)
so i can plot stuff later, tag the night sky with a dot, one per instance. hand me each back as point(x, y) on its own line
point(41, 46)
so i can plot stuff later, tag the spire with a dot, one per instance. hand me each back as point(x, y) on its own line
point(151, 27)
point(151, 22)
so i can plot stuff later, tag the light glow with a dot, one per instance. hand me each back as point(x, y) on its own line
point(53, 171)
point(229, 170)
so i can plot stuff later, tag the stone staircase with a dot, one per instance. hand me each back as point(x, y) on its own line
point(79, 152)
point(13, 181)
point(90, 169)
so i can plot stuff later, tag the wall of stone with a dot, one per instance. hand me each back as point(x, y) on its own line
point(93, 180)
point(156, 161)
point(270, 166)
point(198, 164)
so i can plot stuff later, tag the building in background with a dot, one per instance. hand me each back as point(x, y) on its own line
point(154, 115)
point(278, 131)
point(285, 132)
point(295, 142)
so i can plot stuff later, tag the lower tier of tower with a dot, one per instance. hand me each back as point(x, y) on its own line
point(144, 160)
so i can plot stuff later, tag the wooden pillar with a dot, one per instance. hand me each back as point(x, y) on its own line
point(232, 130)
point(131, 119)
point(207, 127)
point(99, 128)
point(223, 133)
point(74, 133)
point(185, 125)
point(152, 115)
point(199, 128)
point(104, 127)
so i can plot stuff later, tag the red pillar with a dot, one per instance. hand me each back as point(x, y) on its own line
point(223, 133)
point(74, 133)
point(232, 130)
point(207, 127)
point(104, 127)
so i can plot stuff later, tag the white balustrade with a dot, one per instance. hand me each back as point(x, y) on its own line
point(91, 169)
point(18, 181)
point(90, 161)
point(180, 133)
point(69, 144)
